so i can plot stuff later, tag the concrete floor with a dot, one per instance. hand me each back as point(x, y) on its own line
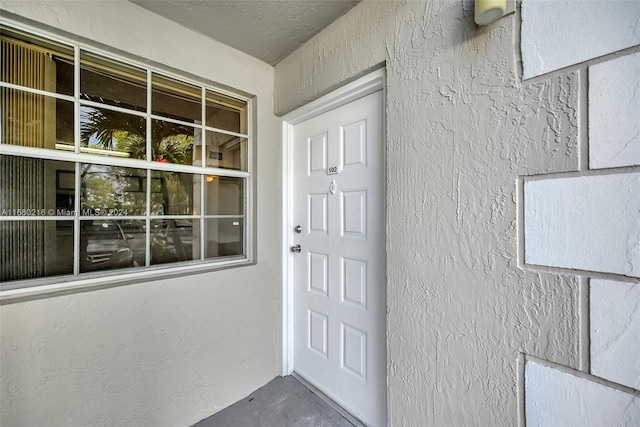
point(283, 402)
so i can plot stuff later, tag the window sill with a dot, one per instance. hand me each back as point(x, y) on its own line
point(76, 285)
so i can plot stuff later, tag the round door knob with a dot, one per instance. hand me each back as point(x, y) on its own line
point(296, 249)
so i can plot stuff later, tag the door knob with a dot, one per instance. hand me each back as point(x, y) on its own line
point(296, 249)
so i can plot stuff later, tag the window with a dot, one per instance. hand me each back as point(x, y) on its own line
point(109, 167)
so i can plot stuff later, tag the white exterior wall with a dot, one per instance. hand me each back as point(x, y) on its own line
point(461, 127)
point(590, 220)
point(557, 397)
point(614, 106)
point(584, 223)
point(560, 34)
point(167, 352)
point(615, 331)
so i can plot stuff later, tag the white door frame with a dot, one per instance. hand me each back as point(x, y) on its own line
point(366, 85)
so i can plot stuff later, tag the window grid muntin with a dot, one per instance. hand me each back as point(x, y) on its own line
point(50, 154)
point(89, 103)
point(150, 70)
point(78, 218)
point(37, 35)
point(78, 157)
point(89, 65)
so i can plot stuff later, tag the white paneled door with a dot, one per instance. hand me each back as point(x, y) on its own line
point(339, 271)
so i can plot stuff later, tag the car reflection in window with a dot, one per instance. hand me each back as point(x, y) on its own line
point(110, 244)
point(104, 245)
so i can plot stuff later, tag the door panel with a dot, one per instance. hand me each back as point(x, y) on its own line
point(339, 276)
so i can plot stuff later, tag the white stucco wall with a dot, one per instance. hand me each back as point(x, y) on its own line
point(558, 34)
point(589, 220)
point(586, 223)
point(461, 127)
point(614, 111)
point(615, 331)
point(562, 398)
point(168, 352)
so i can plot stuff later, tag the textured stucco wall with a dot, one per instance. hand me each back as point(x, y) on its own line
point(461, 127)
point(588, 221)
point(169, 352)
point(558, 211)
point(615, 331)
point(562, 33)
point(614, 107)
point(562, 398)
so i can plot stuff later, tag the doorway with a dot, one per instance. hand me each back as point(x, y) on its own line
point(335, 290)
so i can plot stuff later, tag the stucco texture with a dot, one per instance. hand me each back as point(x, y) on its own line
point(166, 352)
point(461, 127)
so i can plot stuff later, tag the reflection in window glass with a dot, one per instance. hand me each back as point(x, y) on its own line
point(32, 120)
point(224, 237)
point(176, 100)
point(36, 187)
point(226, 151)
point(112, 133)
point(104, 245)
point(135, 231)
point(50, 252)
point(35, 62)
point(174, 240)
point(173, 193)
point(112, 190)
point(223, 195)
point(225, 113)
point(114, 83)
point(172, 143)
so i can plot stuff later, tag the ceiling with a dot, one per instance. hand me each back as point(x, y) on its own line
point(265, 29)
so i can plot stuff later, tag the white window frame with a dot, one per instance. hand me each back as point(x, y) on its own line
point(52, 285)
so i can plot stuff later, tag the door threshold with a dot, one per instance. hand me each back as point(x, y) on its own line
point(353, 420)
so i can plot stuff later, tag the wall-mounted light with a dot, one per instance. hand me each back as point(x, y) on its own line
point(488, 11)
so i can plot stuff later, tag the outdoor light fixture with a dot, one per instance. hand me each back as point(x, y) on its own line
point(488, 11)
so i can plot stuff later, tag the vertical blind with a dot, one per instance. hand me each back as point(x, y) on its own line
point(27, 120)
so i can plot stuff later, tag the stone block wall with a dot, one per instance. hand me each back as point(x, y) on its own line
point(587, 223)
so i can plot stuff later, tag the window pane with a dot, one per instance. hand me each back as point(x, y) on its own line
point(226, 151)
point(32, 120)
point(35, 62)
point(112, 133)
point(136, 233)
point(111, 82)
point(224, 195)
point(105, 246)
point(112, 191)
point(174, 193)
point(172, 143)
point(36, 187)
point(177, 100)
point(174, 240)
point(224, 237)
point(49, 252)
point(226, 113)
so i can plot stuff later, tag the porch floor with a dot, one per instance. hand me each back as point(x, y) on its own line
point(283, 402)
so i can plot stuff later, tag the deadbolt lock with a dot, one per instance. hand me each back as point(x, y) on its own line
point(297, 229)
